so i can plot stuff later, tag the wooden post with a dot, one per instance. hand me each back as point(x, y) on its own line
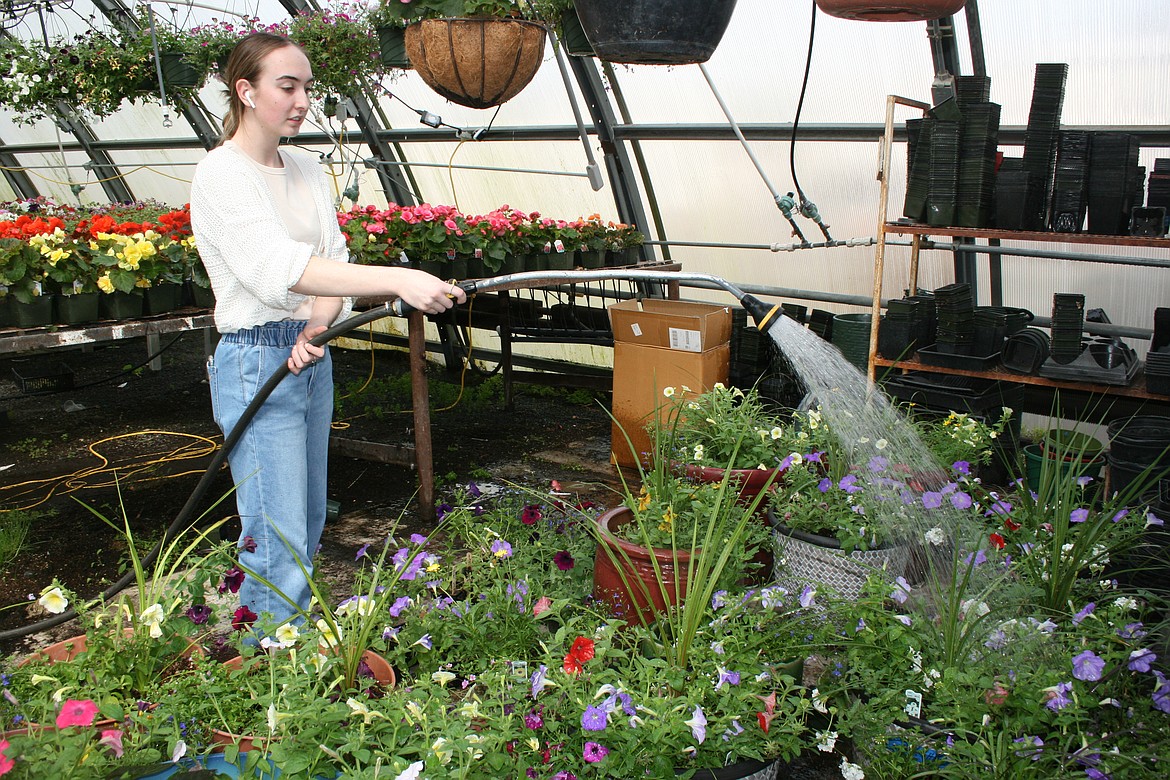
point(423, 459)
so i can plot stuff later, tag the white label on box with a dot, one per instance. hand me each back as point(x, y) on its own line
point(686, 340)
point(636, 328)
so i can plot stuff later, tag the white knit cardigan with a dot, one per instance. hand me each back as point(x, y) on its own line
point(250, 257)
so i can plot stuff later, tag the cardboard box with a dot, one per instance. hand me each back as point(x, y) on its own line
point(679, 325)
point(660, 344)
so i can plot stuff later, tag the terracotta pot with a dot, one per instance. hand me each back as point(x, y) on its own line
point(624, 575)
point(892, 11)
point(750, 481)
point(68, 649)
point(477, 63)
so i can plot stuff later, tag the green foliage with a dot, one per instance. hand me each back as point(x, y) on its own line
point(14, 527)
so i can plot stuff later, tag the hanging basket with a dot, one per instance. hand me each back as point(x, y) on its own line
point(894, 11)
point(392, 46)
point(654, 32)
point(477, 63)
point(178, 71)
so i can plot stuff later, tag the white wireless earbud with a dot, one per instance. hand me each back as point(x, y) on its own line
point(248, 97)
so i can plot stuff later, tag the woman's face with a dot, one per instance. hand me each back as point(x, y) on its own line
point(280, 92)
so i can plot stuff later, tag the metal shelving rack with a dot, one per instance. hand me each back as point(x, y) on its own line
point(920, 234)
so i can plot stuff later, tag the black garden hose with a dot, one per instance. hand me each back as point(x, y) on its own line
point(763, 314)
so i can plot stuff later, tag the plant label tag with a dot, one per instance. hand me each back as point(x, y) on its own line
point(548, 247)
point(913, 706)
point(520, 669)
point(37, 288)
point(560, 245)
point(478, 253)
point(450, 254)
point(77, 286)
point(686, 340)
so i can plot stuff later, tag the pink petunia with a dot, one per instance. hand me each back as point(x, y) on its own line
point(595, 751)
point(76, 712)
point(112, 738)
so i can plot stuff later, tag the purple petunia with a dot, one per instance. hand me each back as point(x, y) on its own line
point(1141, 660)
point(400, 603)
point(807, 595)
point(878, 464)
point(1058, 696)
point(978, 558)
point(901, 590)
point(533, 720)
point(825, 485)
point(361, 553)
point(1162, 693)
point(501, 549)
point(248, 544)
point(564, 560)
point(1084, 613)
point(594, 719)
point(726, 677)
point(1078, 515)
point(961, 500)
point(418, 540)
point(849, 484)
point(199, 614)
point(1088, 666)
point(473, 490)
point(594, 752)
point(932, 499)
point(442, 510)
point(961, 467)
point(233, 578)
point(1132, 631)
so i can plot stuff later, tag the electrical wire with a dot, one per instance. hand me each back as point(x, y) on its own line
point(812, 29)
point(108, 472)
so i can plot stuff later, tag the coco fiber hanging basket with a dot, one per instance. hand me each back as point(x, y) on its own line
point(475, 62)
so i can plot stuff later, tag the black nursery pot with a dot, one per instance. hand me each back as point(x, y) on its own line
point(654, 32)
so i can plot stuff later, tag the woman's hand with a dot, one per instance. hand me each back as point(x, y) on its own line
point(303, 353)
point(429, 294)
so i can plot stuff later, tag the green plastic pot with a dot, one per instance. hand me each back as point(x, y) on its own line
point(1035, 458)
point(34, 314)
point(121, 306)
point(78, 309)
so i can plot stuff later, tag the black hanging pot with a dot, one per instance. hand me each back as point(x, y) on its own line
point(654, 32)
point(179, 71)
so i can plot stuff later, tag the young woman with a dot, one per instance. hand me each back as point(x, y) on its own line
point(267, 231)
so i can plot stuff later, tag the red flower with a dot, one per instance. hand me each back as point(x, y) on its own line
point(765, 720)
point(579, 653)
point(1010, 524)
point(996, 695)
point(997, 541)
point(233, 578)
point(564, 560)
point(243, 618)
point(530, 515)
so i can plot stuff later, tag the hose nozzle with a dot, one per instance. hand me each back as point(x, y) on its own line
point(764, 314)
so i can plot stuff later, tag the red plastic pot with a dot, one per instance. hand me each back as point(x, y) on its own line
point(892, 11)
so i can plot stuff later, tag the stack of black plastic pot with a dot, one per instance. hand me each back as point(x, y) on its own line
point(1113, 172)
point(1158, 358)
point(1072, 181)
point(1139, 449)
point(1041, 136)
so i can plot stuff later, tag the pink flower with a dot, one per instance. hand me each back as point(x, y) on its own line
point(595, 751)
point(113, 739)
point(76, 712)
point(6, 763)
point(542, 604)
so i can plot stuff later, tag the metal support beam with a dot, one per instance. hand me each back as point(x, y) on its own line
point(17, 179)
point(618, 164)
point(394, 183)
point(102, 164)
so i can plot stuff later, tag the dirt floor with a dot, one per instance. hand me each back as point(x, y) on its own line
point(150, 435)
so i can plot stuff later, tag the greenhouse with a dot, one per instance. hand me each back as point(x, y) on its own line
point(567, 389)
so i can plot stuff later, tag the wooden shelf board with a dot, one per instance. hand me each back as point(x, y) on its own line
point(906, 228)
point(1133, 390)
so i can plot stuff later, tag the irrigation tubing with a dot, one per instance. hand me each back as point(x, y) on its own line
point(763, 313)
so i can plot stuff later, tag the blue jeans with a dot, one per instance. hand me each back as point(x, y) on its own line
point(279, 463)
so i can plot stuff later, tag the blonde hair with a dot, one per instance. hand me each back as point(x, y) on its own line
point(245, 62)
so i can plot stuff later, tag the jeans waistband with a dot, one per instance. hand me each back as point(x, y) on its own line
point(270, 334)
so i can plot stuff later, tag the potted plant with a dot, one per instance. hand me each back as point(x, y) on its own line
point(655, 32)
point(37, 78)
point(478, 53)
point(837, 513)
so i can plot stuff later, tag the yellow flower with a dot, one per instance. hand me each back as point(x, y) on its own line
point(104, 284)
point(287, 634)
point(643, 499)
point(328, 634)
